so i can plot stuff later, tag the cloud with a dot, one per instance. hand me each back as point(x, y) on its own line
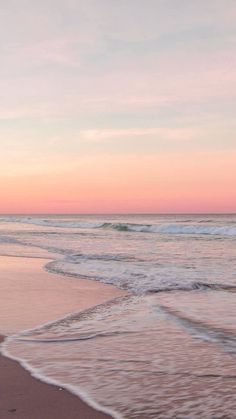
point(103, 135)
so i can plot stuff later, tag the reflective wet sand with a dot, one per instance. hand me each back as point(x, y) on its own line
point(30, 296)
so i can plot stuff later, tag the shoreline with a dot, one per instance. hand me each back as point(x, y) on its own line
point(22, 395)
point(25, 397)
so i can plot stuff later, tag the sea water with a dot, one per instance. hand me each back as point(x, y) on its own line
point(167, 350)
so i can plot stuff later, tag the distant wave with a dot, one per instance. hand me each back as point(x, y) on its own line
point(50, 223)
point(174, 228)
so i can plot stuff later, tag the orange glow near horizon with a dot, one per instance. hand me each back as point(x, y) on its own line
point(127, 185)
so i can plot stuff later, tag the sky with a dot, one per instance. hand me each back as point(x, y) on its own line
point(111, 106)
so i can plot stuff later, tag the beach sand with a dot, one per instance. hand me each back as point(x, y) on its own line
point(30, 297)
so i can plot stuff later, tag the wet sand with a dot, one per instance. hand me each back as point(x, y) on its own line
point(30, 297)
point(24, 397)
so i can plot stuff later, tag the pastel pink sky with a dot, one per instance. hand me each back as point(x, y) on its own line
point(118, 106)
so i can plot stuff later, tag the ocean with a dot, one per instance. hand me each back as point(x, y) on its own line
point(166, 349)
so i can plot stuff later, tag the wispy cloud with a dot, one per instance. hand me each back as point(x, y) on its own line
point(103, 135)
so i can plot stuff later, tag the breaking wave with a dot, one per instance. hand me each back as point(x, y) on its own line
point(174, 229)
point(201, 227)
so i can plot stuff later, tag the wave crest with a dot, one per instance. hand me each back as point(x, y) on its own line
point(173, 228)
point(201, 227)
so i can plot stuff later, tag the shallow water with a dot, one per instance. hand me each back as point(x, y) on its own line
point(166, 351)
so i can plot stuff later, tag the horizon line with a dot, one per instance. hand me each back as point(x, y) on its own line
point(118, 213)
